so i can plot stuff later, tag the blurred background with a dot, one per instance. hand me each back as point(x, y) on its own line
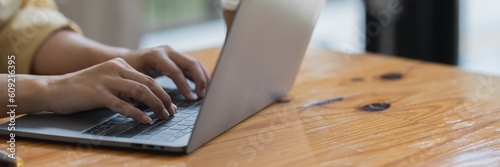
point(465, 30)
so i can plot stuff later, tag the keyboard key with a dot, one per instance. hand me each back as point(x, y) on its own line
point(121, 116)
point(157, 129)
point(153, 117)
point(134, 131)
point(183, 104)
point(181, 109)
point(99, 129)
point(182, 115)
point(115, 130)
point(130, 123)
point(176, 101)
point(179, 127)
point(191, 119)
point(196, 107)
point(118, 119)
point(148, 112)
point(104, 127)
point(160, 128)
point(108, 123)
point(191, 111)
point(186, 123)
point(166, 124)
point(151, 132)
point(171, 131)
point(176, 119)
point(93, 131)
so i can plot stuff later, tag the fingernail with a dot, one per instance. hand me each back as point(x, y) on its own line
point(165, 114)
point(175, 107)
point(146, 119)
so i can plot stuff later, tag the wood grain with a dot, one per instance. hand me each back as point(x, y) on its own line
point(439, 116)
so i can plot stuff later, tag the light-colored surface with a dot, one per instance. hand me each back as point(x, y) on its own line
point(439, 116)
point(479, 45)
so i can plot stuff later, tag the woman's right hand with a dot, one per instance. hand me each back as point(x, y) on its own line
point(108, 85)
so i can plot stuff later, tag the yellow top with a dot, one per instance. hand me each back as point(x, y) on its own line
point(24, 25)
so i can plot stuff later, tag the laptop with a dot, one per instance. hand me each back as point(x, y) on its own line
point(258, 65)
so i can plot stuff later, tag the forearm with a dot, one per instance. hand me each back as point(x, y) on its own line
point(65, 51)
point(27, 91)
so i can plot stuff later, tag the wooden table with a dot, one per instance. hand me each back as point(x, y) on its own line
point(438, 115)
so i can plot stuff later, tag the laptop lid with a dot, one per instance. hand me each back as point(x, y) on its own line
point(258, 63)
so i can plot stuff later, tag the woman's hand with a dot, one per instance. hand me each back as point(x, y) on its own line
point(94, 78)
point(174, 65)
point(65, 52)
point(107, 85)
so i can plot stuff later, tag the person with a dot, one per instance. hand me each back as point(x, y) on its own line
point(229, 7)
point(58, 69)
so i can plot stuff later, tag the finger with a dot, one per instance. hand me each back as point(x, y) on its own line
point(199, 80)
point(171, 70)
point(193, 67)
point(205, 74)
point(188, 75)
point(119, 106)
point(205, 71)
point(134, 75)
point(154, 87)
point(139, 92)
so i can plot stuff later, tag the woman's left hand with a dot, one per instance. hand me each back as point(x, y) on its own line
point(175, 65)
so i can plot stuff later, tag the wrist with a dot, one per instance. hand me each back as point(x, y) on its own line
point(105, 53)
point(32, 93)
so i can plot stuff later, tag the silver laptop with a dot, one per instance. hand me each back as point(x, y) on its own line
point(258, 65)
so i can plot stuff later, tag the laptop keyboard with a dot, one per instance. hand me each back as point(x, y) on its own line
point(168, 130)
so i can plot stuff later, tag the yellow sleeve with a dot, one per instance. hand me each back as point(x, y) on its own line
point(27, 29)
